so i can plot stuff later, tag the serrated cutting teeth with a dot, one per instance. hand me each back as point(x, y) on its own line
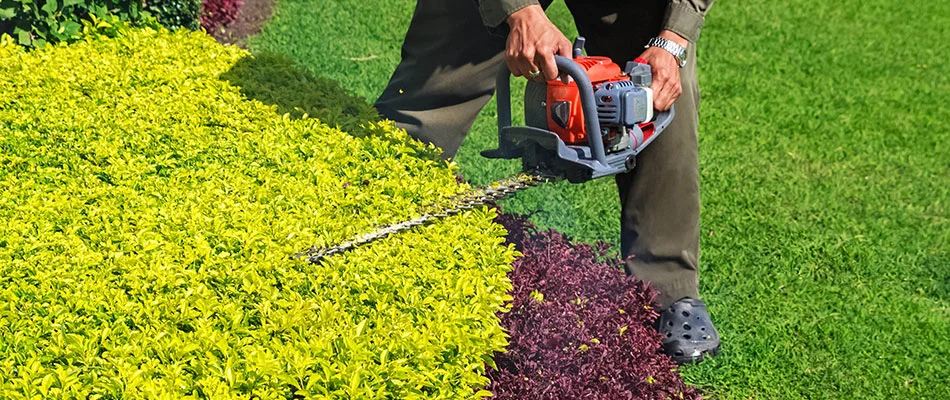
point(468, 200)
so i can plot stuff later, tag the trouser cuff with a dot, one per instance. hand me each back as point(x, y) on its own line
point(671, 292)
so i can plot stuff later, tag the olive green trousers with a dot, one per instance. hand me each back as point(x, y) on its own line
point(447, 74)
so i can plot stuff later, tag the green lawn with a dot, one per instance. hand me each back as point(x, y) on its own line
point(825, 158)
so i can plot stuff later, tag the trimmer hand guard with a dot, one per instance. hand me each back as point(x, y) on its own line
point(545, 152)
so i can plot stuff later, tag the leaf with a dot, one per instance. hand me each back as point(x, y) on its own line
point(23, 37)
point(71, 29)
point(50, 7)
point(144, 163)
point(56, 31)
point(7, 13)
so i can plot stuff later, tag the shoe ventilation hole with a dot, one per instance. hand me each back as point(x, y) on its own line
point(685, 313)
point(687, 327)
point(679, 352)
point(670, 323)
point(669, 334)
point(703, 329)
point(687, 336)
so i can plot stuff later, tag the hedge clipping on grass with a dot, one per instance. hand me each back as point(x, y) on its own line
point(149, 211)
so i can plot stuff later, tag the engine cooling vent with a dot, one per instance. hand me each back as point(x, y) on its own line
point(587, 63)
point(617, 85)
point(607, 99)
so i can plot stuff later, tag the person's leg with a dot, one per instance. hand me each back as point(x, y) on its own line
point(660, 197)
point(447, 73)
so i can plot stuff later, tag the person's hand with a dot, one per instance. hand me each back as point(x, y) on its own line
point(532, 44)
point(666, 72)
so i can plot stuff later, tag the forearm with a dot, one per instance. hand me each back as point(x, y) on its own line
point(686, 17)
point(494, 12)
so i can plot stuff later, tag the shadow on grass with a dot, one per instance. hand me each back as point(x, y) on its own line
point(277, 80)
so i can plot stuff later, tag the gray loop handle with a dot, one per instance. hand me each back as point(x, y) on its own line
point(662, 120)
point(564, 65)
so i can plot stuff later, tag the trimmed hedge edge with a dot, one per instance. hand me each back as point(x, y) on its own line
point(149, 211)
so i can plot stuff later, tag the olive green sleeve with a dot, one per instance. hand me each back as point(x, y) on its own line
point(494, 12)
point(686, 17)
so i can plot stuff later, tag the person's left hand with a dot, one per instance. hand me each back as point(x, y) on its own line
point(666, 72)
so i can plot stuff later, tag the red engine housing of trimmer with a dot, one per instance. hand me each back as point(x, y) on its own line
point(600, 70)
point(590, 127)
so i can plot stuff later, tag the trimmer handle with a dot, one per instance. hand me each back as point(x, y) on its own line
point(588, 105)
point(662, 120)
point(564, 65)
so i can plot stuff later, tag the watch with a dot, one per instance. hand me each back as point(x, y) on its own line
point(675, 49)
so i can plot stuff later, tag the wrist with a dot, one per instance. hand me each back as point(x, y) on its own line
point(674, 37)
point(675, 49)
point(525, 14)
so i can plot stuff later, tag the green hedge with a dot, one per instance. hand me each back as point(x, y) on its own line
point(176, 13)
point(36, 23)
point(149, 211)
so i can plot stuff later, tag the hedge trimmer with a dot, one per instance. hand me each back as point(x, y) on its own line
point(615, 106)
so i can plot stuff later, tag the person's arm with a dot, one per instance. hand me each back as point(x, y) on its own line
point(686, 17)
point(533, 40)
point(682, 23)
point(495, 12)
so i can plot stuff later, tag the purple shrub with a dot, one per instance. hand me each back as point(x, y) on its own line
point(579, 327)
point(217, 13)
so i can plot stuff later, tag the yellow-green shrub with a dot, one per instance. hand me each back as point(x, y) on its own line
point(148, 214)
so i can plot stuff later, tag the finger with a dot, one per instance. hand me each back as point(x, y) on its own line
point(675, 91)
point(513, 57)
point(672, 89)
point(512, 52)
point(661, 96)
point(512, 66)
point(674, 86)
point(658, 85)
point(665, 102)
point(531, 71)
point(517, 66)
point(526, 61)
point(545, 59)
point(565, 49)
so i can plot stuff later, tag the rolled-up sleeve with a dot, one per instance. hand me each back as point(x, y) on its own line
point(686, 17)
point(494, 12)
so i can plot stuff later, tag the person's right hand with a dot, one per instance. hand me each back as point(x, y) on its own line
point(532, 44)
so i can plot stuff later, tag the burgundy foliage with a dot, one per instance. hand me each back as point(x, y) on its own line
point(590, 337)
point(217, 13)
